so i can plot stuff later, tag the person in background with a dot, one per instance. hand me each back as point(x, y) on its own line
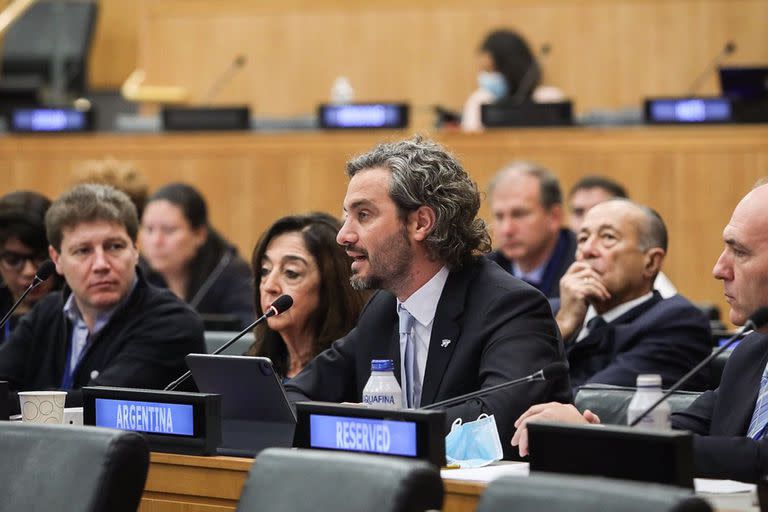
point(108, 327)
point(412, 233)
point(508, 71)
point(189, 257)
point(592, 190)
point(527, 208)
point(23, 247)
point(614, 325)
point(298, 256)
point(115, 173)
point(731, 422)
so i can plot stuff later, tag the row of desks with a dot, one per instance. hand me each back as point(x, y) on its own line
point(184, 483)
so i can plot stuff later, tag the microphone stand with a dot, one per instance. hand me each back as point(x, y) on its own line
point(534, 377)
point(173, 385)
point(35, 281)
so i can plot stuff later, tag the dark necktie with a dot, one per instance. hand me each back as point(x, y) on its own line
point(596, 324)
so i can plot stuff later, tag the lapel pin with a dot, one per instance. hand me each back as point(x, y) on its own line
point(445, 343)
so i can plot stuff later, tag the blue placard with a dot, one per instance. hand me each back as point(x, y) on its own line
point(150, 417)
point(374, 115)
point(690, 110)
point(363, 435)
point(49, 120)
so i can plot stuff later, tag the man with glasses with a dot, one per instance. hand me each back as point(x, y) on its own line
point(23, 247)
point(108, 327)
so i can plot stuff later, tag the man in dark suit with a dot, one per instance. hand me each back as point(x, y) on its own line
point(730, 422)
point(108, 327)
point(533, 244)
point(411, 228)
point(615, 326)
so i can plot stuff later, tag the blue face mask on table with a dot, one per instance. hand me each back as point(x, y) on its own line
point(493, 82)
point(474, 444)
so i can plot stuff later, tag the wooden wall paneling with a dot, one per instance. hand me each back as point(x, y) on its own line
point(693, 176)
point(605, 53)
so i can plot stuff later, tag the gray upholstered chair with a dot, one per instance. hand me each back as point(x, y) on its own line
point(567, 493)
point(286, 480)
point(78, 469)
point(610, 403)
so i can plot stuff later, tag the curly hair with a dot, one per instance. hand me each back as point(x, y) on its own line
point(425, 174)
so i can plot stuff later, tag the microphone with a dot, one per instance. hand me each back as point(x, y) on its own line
point(756, 320)
point(234, 66)
point(728, 49)
point(550, 372)
point(523, 88)
point(280, 305)
point(44, 271)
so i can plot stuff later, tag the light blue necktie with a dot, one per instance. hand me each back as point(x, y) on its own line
point(406, 324)
point(760, 416)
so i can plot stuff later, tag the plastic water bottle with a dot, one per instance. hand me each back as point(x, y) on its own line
point(648, 391)
point(341, 91)
point(382, 390)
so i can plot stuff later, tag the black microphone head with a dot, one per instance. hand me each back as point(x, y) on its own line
point(729, 48)
point(759, 317)
point(555, 370)
point(45, 270)
point(282, 303)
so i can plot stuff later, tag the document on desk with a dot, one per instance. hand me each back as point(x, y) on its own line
point(487, 473)
point(706, 485)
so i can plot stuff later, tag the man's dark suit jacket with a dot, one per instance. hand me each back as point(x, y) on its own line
point(663, 336)
point(562, 258)
point(497, 328)
point(721, 418)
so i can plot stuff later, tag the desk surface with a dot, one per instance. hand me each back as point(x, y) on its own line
point(183, 483)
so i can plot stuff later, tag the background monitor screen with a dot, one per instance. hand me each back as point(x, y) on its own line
point(371, 115)
point(49, 120)
point(688, 110)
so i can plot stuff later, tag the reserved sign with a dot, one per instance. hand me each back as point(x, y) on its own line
point(363, 435)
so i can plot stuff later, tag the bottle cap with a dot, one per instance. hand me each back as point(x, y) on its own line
point(382, 365)
point(648, 380)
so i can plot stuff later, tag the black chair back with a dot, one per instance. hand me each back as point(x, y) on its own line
point(297, 480)
point(78, 469)
point(567, 493)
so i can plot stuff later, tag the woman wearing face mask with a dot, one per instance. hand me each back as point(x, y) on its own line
point(507, 70)
point(298, 256)
point(23, 247)
point(186, 255)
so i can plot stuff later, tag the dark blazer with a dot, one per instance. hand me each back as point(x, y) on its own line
point(499, 327)
point(721, 418)
point(142, 345)
point(664, 336)
point(562, 257)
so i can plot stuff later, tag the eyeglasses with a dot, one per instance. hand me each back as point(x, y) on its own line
point(15, 261)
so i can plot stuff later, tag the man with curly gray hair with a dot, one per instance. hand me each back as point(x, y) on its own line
point(452, 321)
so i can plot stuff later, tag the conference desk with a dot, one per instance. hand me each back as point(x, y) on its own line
point(184, 483)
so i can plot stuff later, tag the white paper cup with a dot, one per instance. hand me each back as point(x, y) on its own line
point(42, 406)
